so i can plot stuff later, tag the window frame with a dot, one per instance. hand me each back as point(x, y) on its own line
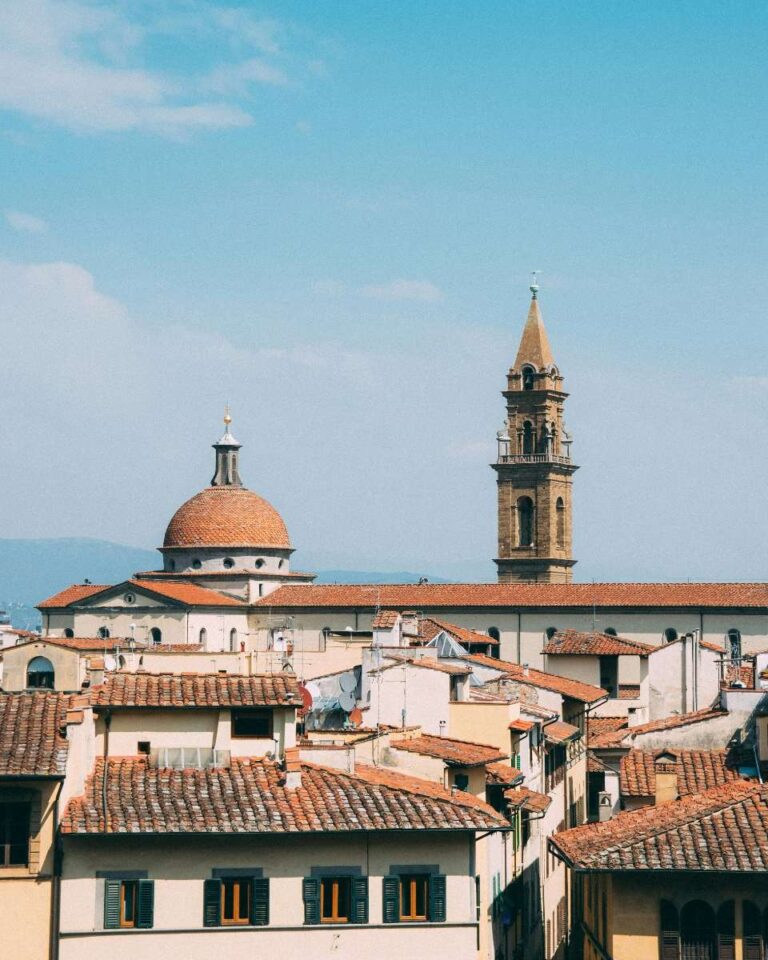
point(238, 884)
point(412, 879)
point(341, 887)
point(6, 863)
point(239, 712)
point(126, 887)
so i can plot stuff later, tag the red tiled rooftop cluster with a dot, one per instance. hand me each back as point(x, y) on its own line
point(697, 770)
point(32, 739)
point(594, 644)
point(460, 753)
point(196, 690)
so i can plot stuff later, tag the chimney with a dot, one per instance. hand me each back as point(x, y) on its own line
point(525, 670)
point(292, 768)
point(409, 627)
point(665, 767)
point(95, 671)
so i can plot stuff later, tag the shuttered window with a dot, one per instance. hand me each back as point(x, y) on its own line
point(335, 899)
point(236, 901)
point(414, 897)
point(129, 904)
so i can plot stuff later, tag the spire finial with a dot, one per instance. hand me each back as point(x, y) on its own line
point(227, 416)
point(534, 287)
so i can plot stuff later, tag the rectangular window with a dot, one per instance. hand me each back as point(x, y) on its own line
point(252, 723)
point(14, 834)
point(235, 901)
point(414, 896)
point(128, 891)
point(128, 903)
point(335, 899)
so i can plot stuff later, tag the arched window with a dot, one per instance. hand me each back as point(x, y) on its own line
point(697, 931)
point(734, 644)
point(156, 634)
point(203, 636)
point(104, 633)
point(69, 632)
point(233, 640)
point(528, 378)
point(494, 633)
point(610, 631)
point(528, 438)
point(560, 513)
point(40, 674)
point(753, 932)
point(120, 661)
point(550, 632)
point(524, 522)
point(670, 634)
point(726, 929)
point(669, 932)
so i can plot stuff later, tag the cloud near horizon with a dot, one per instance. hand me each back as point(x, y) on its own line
point(25, 222)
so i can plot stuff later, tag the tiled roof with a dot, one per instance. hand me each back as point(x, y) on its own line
point(527, 799)
point(196, 690)
point(629, 691)
point(722, 830)
point(78, 591)
point(250, 796)
point(560, 732)
point(456, 753)
point(385, 619)
point(502, 773)
point(32, 742)
point(226, 517)
point(599, 725)
point(425, 663)
point(697, 770)
point(429, 628)
point(520, 726)
point(537, 678)
point(522, 595)
point(88, 644)
point(595, 764)
point(614, 738)
point(594, 644)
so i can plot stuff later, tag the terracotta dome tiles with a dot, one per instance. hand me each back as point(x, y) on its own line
point(227, 517)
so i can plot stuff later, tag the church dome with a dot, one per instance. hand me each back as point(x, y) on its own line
point(227, 516)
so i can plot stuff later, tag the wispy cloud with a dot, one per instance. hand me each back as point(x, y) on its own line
point(25, 222)
point(420, 290)
point(88, 67)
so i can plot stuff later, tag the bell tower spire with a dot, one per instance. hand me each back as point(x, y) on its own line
point(227, 454)
point(534, 471)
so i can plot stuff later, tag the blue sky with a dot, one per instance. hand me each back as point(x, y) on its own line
point(326, 214)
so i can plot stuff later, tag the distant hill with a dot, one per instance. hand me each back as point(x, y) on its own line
point(31, 570)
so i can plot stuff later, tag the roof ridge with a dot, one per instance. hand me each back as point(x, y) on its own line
point(437, 736)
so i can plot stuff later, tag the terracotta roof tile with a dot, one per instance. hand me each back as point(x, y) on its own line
point(196, 690)
point(629, 691)
point(385, 619)
point(226, 517)
point(560, 732)
point(88, 644)
point(429, 628)
point(615, 738)
point(503, 773)
point(520, 726)
point(251, 796)
point(425, 663)
point(522, 595)
point(537, 678)
point(697, 770)
point(32, 740)
point(721, 830)
point(527, 799)
point(456, 753)
point(594, 644)
point(78, 591)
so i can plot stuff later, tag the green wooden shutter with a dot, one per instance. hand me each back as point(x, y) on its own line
point(260, 902)
point(437, 898)
point(391, 900)
point(359, 900)
point(145, 904)
point(670, 945)
point(111, 904)
point(212, 903)
point(311, 892)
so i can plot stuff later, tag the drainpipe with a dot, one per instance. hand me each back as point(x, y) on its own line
point(56, 878)
point(519, 637)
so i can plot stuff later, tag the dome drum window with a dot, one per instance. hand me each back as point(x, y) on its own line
point(229, 563)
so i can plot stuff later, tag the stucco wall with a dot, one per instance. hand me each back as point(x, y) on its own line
point(68, 669)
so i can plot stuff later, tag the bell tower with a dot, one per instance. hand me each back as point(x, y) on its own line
point(534, 471)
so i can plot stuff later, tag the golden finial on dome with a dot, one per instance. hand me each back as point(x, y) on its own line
point(227, 416)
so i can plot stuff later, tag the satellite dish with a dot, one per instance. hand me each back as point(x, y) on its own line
point(347, 702)
point(306, 697)
point(110, 663)
point(348, 682)
point(356, 716)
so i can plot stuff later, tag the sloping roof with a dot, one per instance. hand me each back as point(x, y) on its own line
point(520, 595)
point(78, 591)
point(723, 829)
point(385, 619)
point(200, 690)
point(456, 753)
point(188, 594)
point(596, 726)
point(32, 740)
point(429, 628)
point(697, 770)
point(537, 678)
point(250, 796)
point(520, 725)
point(614, 738)
point(527, 799)
point(424, 663)
point(594, 644)
point(560, 732)
point(503, 773)
point(87, 644)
